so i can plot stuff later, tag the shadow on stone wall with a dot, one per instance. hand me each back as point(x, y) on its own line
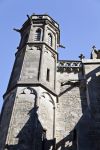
point(84, 136)
point(94, 92)
point(86, 133)
point(32, 136)
point(69, 142)
point(88, 127)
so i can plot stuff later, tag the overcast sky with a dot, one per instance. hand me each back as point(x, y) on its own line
point(79, 24)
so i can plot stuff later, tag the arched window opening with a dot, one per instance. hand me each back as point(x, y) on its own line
point(50, 39)
point(37, 35)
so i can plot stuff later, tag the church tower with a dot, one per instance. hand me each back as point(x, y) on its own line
point(50, 104)
point(28, 115)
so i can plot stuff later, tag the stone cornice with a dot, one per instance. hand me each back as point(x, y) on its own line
point(30, 84)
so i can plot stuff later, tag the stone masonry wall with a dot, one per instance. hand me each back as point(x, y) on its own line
point(5, 117)
point(30, 68)
point(32, 114)
point(70, 107)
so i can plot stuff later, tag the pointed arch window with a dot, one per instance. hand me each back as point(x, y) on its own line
point(50, 39)
point(37, 35)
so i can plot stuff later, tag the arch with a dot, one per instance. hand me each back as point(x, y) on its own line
point(37, 36)
point(53, 103)
point(29, 90)
point(50, 39)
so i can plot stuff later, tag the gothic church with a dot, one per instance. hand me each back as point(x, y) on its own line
point(50, 104)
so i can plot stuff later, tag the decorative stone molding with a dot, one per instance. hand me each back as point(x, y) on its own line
point(69, 66)
point(48, 105)
point(29, 92)
point(47, 96)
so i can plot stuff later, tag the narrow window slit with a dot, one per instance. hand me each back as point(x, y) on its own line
point(48, 75)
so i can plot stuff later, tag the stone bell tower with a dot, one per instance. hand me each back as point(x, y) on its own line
point(28, 114)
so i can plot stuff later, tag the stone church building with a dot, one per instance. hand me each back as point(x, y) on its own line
point(50, 104)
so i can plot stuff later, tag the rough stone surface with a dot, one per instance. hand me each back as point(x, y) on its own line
point(49, 103)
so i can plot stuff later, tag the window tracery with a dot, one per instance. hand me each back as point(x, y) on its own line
point(37, 36)
point(50, 39)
